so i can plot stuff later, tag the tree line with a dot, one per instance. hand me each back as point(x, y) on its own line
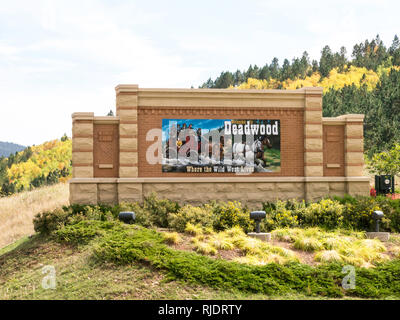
point(36, 166)
point(378, 99)
point(368, 54)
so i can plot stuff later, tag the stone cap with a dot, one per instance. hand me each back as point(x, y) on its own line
point(344, 119)
point(125, 88)
point(83, 115)
point(237, 179)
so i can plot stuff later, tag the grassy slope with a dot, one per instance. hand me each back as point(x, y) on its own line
point(17, 211)
point(80, 277)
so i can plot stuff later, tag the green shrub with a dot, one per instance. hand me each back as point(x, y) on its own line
point(282, 214)
point(48, 221)
point(203, 216)
point(160, 209)
point(143, 216)
point(358, 215)
point(231, 214)
point(358, 212)
point(83, 232)
point(391, 209)
point(326, 213)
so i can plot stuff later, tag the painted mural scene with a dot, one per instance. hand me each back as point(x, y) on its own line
point(188, 176)
point(219, 146)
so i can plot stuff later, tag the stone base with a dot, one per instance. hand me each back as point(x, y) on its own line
point(249, 190)
point(383, 236)
point(261, 236)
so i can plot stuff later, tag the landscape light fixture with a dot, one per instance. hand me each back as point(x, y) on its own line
point(377, 216)
point(257, 216)
point(127, 217)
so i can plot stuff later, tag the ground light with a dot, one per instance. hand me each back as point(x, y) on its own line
point(127, 217)
point(377, 216)
point(383, 236)
point(258, 216)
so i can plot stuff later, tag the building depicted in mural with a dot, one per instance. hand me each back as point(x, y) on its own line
point(195, 145)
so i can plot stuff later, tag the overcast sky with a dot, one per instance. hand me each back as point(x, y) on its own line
point(59, 57)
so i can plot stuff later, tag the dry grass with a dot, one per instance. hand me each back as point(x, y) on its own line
point(17, 211)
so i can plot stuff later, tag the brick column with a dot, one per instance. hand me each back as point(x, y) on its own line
point(354, 145)
point(82, 145)
point(313, 144)
point(127, 110)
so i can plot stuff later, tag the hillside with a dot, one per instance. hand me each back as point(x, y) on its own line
point(81, 278)
point(368, 83)
point(7, 148)
point(36, 166)
point(95, 256)
point(17, 211)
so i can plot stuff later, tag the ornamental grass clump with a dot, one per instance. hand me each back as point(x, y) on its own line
point(222, 242)
point(246, 244)
point(326, 256)
point(172, 237)
point(193, 230)
point(255, 251)
point(395, 251)
point(333, 243)
point(205, 248)
point(261, 261)
point(286, 234)
point(364, 253)
point(308, 244)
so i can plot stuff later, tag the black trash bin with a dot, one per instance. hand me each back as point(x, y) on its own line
point(384, 184)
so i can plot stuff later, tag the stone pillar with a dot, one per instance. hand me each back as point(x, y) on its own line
point(127, 110)
point(354, 145)
point(82, 159)
point(313, 143)
point(354, 154)
point(82, 145)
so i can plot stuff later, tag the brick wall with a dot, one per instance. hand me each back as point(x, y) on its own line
point(292, 136)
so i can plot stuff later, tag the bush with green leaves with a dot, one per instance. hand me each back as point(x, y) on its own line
point(48, 221)
point(143, 216)
point(358, 212)
point(281, 214)
point(231, 214)
point(83, 232)
point(160, 209)
point(203, 216)
point(326, 213)
point(386, 162)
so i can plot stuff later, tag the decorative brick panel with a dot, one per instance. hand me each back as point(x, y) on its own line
point(334, 151)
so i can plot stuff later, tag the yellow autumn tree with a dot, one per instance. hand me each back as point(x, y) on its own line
point(335, 80)
point(47, 158)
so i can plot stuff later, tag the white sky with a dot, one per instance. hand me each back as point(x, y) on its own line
point(59, 57)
